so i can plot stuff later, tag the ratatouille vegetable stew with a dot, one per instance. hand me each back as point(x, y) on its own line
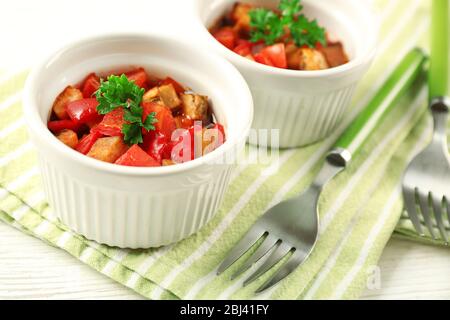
point(135, 119)
point(282, 38)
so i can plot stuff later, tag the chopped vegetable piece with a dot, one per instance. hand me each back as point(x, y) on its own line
point(159, 147)
point(83, 111)
point(60, 125)
point(112, 124)
point(195, 106)
point(139, 77)
point(311, 59)
point(277, 55)
point(69, 138)
point(108, 149)
point(334, 54)
point(85, 144)
point(166, 122)
point(91, 85)
point(136, 157)
point(68, 95)
point(240, 15)
point(263, 59)
point(169, 96)
point(119, 92)
point(183, 122)
point(177, 86)
point(227, 37)
point(120, 126)
point(152, 96)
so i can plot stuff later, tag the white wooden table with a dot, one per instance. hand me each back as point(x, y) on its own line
point(30, 269)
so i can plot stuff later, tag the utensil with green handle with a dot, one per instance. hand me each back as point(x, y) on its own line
point(440, 50)
point(293, 225)
point(426, 183)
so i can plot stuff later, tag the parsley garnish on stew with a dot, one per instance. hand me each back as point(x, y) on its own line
point(119, 92)
point(269, 26)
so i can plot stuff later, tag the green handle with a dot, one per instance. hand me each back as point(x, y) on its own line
point(439, 69)
point(396, 85)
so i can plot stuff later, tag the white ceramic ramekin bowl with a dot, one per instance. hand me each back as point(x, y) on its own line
point(306, 106)
point(137, 207)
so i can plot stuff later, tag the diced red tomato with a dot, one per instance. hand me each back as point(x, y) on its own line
point(139, 77)
point(85, 144)
point(176, 85)
point(227, 37)
point(243, 48)
point(136, 157)
point(83, 111)
point(60, 125)
point(166, 123)
point(111, 124)
point(91, 85)
point(261, 58)
point(277, 55)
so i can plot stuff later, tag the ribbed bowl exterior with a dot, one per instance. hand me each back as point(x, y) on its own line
point(135, 218)
point(301, 119)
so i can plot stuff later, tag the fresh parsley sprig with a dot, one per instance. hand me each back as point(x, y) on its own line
point(269, 26)
point(119, 92)
point(266, 26)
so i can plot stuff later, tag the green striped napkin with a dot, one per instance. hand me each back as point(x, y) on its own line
point(359, 209)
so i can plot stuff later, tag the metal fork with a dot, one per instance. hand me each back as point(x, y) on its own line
point(426, 184)
point(291, 228)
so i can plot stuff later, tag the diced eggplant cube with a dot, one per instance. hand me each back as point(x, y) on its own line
point(108, 149)
point(151, 95)
point(195, 106)
point(335, 54)
point(69, 138)
point(69, 94)
point(311, 59)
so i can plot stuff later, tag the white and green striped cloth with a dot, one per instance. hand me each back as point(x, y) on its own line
point(359, 210)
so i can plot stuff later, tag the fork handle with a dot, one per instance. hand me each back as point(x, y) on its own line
point(440, 47)
point(396, 85)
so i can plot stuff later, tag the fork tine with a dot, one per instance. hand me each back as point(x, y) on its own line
point(292, 264)
point(252, 236)
point(438, 213)
point(263, 250)
point(280, 252)
point(424, 204)
point(411, 208)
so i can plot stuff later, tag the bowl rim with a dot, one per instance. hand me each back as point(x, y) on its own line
point(39, 129)
point(237, 59)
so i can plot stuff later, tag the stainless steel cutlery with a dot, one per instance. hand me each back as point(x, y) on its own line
point(290, 229)
point(426, 184)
